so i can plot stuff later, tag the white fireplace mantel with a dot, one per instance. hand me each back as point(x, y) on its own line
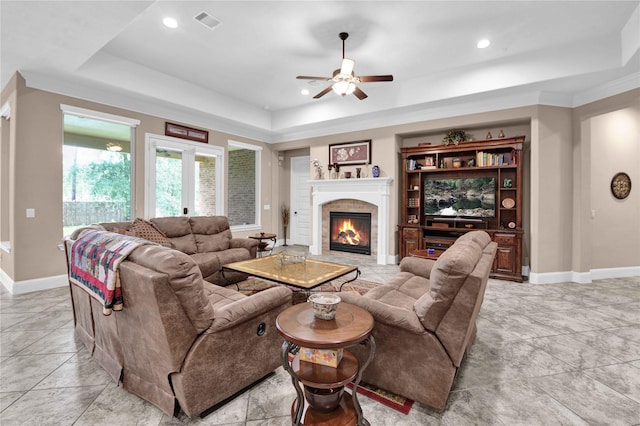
point(371, 190)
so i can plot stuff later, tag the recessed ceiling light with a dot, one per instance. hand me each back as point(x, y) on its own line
point(170, 22)
point(305, 92)
point(483, 44)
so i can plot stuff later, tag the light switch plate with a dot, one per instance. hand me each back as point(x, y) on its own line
point(31, 213)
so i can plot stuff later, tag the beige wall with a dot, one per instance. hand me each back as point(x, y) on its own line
point(37, 139)
point(551, 181)
point(615, 147)
point(609, 132)
point(569, 149)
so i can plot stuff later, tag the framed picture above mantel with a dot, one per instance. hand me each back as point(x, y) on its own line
point(350, 153)
point(184, 132)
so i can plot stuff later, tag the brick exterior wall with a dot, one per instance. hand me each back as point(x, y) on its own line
point(242, 187)
point(206, 202)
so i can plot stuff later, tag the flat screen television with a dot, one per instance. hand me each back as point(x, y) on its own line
point(463, 197)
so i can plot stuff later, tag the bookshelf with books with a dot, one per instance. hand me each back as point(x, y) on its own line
point(449, 190)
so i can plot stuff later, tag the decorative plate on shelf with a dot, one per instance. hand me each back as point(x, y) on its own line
point(621, 185)
point(508, 203)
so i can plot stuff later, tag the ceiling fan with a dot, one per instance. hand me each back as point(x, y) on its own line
point(344, 80)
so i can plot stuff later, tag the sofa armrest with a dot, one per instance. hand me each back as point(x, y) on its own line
point(247, 243)
point(417, 266)
point(244, 309)
point(386, 314)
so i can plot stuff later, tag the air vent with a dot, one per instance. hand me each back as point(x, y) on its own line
point(207, 20)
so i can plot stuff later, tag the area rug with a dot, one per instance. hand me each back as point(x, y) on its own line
point(391, 400)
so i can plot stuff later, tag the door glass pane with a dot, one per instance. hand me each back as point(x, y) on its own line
point(96, 172)
point(168, 182)
point(205, 185)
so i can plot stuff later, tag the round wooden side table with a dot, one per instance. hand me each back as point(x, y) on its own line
point(263, 244)
point(326, 401)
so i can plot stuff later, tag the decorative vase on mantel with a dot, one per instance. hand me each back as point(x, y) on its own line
point(375, 171)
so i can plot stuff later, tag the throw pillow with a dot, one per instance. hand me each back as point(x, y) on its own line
point(147, 230)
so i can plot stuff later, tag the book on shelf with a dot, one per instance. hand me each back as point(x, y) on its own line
point(487, 159)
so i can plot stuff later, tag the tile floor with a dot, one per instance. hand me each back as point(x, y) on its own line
point(561, 354)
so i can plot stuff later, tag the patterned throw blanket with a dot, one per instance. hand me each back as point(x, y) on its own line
point(93, 265)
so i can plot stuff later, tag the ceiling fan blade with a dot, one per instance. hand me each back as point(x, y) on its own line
point(359, 94)
point(371, 78)
point(347, 66)
point(308, 77)
point(324, 92)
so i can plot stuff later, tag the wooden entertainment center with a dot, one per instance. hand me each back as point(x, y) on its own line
point(486, 176)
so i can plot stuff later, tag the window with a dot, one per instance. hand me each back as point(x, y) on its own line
point(97, 168)
point(243, 188)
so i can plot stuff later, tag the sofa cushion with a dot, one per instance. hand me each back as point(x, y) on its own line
point(402, 291)
point(220, 296)
point(211, 233)
point(209, 263)
point(479, 238)
point(178, 230)
point(146, 230)
point(184, 278)
point(447, 277)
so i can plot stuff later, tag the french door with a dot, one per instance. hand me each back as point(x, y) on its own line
point(182, 178)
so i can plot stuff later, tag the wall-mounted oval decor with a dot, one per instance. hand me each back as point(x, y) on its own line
point(621, 185)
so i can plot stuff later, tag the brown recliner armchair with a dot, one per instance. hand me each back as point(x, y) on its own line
point(425, 320)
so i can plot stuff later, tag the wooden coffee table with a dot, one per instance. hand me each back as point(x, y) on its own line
point(327, 403)
point(305, 274)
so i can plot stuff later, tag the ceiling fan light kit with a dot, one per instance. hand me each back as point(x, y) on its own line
point(344, 79)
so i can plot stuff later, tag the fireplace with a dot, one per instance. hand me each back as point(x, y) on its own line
point(375, 193)
point(350, 232)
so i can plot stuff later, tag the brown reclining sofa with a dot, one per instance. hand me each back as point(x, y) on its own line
point(180, 341)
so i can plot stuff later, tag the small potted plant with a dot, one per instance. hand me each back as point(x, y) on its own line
point(455, 136)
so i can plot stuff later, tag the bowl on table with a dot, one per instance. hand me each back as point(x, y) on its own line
point(324, 305)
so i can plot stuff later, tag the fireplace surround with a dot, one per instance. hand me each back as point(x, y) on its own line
point(375, 191)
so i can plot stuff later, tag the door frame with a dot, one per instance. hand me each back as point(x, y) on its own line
point(189, 149)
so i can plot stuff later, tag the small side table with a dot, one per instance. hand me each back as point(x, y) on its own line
point(263, 242)
point(299, 327)
point(424, 254)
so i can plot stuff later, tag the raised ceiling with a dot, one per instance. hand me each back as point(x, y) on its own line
point(240, 76)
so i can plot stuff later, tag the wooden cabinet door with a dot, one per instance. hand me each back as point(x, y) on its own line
point(505, 260)
point(507, 263)
point(410, 240)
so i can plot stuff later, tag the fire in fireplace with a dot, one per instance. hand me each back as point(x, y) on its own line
point(350, 232)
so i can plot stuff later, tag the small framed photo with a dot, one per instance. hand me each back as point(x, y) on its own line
point(350, 153)
point(178, 131)
point(429, 161)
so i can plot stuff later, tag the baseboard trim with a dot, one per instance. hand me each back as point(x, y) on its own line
point(603, 274)
point(583, 277)
point(37, 284)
